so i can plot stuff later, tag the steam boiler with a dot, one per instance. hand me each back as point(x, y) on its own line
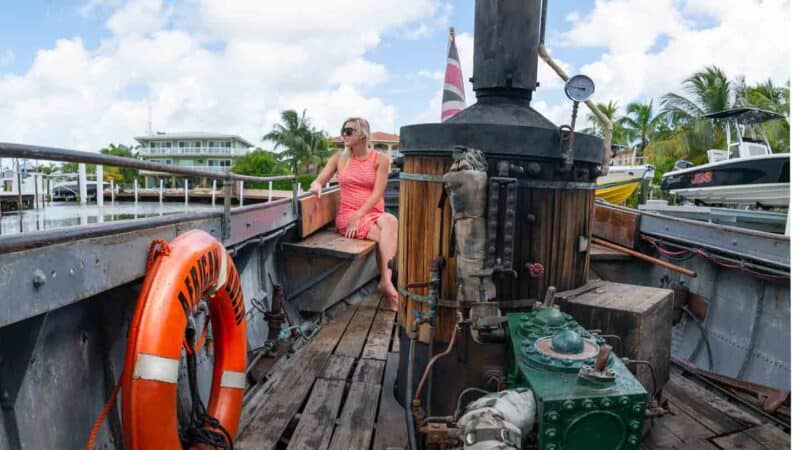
point(495, 217)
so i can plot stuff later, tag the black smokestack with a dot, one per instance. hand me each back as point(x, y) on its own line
point(506, 47)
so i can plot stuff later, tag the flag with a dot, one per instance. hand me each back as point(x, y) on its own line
point(453, 93)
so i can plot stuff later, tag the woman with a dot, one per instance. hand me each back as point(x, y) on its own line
point(363, 173)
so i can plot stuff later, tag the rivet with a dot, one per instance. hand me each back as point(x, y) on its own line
point(39, 278)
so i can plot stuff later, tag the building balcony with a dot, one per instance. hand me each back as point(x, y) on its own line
point(220, 169)
point(193, 151)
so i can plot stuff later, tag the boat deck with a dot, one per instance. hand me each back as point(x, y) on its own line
point(336, 393)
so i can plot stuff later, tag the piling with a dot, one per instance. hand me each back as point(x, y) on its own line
point(82, 182)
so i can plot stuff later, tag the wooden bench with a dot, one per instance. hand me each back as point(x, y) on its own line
point(324, 267)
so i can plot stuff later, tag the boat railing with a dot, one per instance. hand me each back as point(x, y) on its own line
point(12, 150)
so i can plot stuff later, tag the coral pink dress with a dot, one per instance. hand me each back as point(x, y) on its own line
point(356, 182)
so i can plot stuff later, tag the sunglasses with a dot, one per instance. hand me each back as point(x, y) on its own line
point(349, 131)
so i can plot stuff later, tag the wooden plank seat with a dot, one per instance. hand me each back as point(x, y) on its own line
point(324, 267)
point(330, 243)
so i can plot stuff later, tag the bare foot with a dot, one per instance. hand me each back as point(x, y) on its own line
point(388, 291)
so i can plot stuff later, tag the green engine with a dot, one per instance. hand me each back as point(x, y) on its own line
point(582, 403)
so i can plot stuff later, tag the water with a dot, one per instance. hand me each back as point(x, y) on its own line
point(60, 215)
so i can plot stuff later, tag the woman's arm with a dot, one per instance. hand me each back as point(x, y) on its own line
point(325, 175)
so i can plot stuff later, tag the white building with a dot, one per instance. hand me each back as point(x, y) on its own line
point(210, 151)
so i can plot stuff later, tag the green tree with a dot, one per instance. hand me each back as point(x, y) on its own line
point(298, 142)
point(642, 123)
point(619, 134)
point(768, 96)
point(707, 91)
point(119, 174)
point(259, 163)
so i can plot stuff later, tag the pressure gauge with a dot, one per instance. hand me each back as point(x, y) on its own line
point(579, 88)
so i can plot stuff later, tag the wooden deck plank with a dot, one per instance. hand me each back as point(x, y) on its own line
point(389, 433)
point(357, 420)
point(369, 371)
point(353, 340)
point(380, 336)
point(686, 428)
point(277, 409)
point(769, 436)
point(371, 301)
point(316, 425)
point(338, 367)
point(715, 413)
point(739, 440)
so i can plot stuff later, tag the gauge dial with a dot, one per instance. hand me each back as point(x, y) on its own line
point(579, 88)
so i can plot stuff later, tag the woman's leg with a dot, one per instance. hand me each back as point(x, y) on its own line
point(384, 232)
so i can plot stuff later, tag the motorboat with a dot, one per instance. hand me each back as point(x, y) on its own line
point(747, 173)
point(622, 181)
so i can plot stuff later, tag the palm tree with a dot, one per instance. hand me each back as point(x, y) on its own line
point(768, 96)
point(708, 91)
point(302, 144)
point(642, 123)
point(619, 134)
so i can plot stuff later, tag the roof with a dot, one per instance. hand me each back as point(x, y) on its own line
point(745, 116)
point(160, 136)
point(378, 136)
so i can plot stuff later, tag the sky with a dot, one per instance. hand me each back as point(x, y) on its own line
point(82, 74)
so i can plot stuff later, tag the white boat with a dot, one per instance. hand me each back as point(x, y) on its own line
point(746, 174)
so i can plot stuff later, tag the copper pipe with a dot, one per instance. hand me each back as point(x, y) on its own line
point(644, 257)
point(433, 360)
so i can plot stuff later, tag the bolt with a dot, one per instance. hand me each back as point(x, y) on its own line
point(588, 404)
point(530, 218)
point(551, 433)
point(534, 168)
point(39, 278)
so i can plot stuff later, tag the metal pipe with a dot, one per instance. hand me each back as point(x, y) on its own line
point(135, 191)
point(608, 126)
point(543, 22)
point(644, 257)
point(214, 192)
point(412, 339)
point(185, 192)
point(433, 360)
point(11, 150)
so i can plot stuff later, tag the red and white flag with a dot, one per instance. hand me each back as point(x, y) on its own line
point(453, 94)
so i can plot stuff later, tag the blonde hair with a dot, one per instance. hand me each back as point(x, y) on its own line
point(362, 129)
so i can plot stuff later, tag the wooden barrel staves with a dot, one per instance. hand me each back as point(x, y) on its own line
point(424, 224)
point(552, 228)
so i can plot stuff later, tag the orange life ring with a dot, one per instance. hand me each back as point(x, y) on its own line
point(196, 266)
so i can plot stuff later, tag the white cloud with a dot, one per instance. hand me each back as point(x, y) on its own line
point(425, 73)
point(746, 38)
point(217, 65)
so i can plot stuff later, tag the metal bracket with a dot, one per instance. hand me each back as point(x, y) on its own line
point(430, 178)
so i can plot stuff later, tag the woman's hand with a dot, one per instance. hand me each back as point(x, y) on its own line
point(315, 188)
point(352, 225)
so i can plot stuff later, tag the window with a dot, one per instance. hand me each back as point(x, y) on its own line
point(225, 163)
point(199, 161)
point(228, 145)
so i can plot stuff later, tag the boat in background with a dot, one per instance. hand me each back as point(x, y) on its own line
point(622, 181)
point(746, 174)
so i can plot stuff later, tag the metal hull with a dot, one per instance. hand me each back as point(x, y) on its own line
point(760, 180)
